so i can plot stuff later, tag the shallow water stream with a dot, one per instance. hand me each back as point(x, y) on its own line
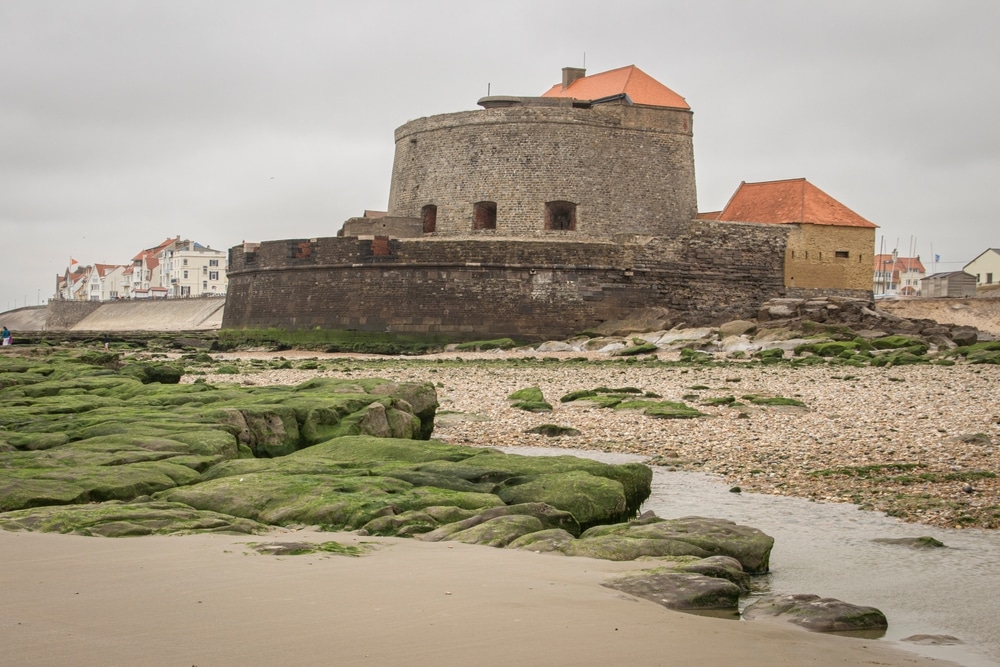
point(829, 549)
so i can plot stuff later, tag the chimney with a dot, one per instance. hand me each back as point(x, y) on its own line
point(571, 74)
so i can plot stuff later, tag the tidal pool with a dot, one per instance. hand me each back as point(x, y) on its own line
point(829, 549)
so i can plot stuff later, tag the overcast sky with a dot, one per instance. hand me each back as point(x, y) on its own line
point(124, 122)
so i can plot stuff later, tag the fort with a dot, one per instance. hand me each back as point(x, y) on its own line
point(540, 217)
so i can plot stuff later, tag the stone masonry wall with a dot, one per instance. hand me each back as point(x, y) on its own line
point(812, 261)
point(65, 314)
point(485, 288)
point(628, 169)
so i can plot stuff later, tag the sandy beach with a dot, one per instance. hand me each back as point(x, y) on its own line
point(210, 600)
point(213, 600)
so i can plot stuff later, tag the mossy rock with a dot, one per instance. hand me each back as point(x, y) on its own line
point(689, 536)
point(578, 395)
point(898, 342)
point(693, 356)
point(532, 406)
point(902, 357)
point(484, 345)
point(115, 519)
point(527, 395)
point(682, 591)
point(827, 348)
point(818, 614)
point(720, 400)
point(590, 499)
point(553, 430)
point(336, 502)
point(635, 350)
point(148, 373)
point(773, 400)
point(542, 517)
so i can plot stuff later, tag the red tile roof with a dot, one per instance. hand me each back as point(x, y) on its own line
point(632, 81)
point(792, 201)
point(885, 262)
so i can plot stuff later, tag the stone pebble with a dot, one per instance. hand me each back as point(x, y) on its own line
point(932, 429)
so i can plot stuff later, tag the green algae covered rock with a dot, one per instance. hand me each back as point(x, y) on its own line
point(688, 536)
point(591, 499)
point(529, 399)
point(115, 519)
point(90, 445)
point(351, 482)
point(818, 614)
point(334, 501)
point(683, 591)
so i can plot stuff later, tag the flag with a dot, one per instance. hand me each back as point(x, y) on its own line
point(937, 258)
point(73, 262)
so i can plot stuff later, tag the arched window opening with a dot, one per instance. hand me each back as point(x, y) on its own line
point(560, 215)
point(484, 215)
point(429, 215)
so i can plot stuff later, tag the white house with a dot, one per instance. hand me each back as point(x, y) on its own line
point(72, 285)
point(196, 270)
point(985, 267)
point(107, 282)
point(896, 275)
point(149, 270)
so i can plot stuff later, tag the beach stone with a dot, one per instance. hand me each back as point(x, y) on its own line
point(498, 532)
point(552, 540)
point(688, 536)
point(736, 328)
point(555, 346)
point(923, 542)
point(682, 591)
point(685, 335)
point(115, 519)
point(932, 640)
point(964, 335)
point(720, 567)
point(591, 500)
point(737, 344)
point(547, 518)
point(817, 614)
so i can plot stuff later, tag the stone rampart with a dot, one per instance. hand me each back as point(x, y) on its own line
point(491, 287)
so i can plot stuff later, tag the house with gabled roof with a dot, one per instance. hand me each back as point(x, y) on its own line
point(830, 247)
point(106, 282)
point(196, 270)
point(72, 284)
point(985, 267)
point(896, 275)
point(149, 270)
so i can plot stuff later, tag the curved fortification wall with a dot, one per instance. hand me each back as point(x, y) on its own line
point(547, 164)
point(486, 287)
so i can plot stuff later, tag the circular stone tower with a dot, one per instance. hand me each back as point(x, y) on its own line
point(618, 161)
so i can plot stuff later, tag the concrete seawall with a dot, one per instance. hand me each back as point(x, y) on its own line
point(147, 315)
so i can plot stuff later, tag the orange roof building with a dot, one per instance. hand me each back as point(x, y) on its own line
point(639, 87)
point(830, 247)
point(790, 201)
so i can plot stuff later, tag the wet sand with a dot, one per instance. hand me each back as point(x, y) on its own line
point(209, 600)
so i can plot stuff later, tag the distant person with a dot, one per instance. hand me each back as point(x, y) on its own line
point(106, 342)
point(5, 335)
